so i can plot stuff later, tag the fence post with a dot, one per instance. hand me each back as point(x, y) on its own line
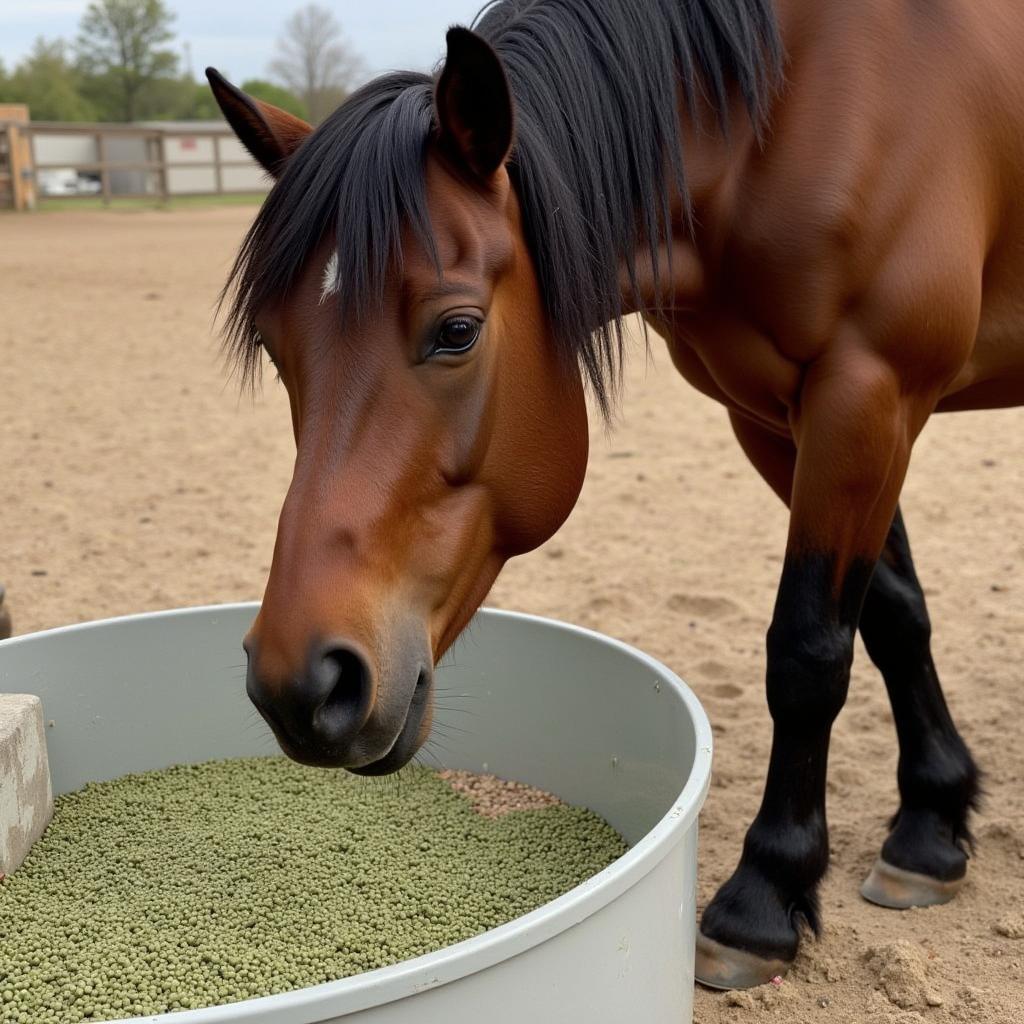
point(19, 186)
point(19, 169)
point(218, 173)
point(165, 194)
point(12, 165)
point(101, 152)
point(28, 182)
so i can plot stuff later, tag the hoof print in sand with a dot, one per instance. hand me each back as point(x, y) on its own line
point(703, 606)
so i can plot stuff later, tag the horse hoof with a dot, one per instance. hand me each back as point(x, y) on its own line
point(898, 889)
point(724, 967)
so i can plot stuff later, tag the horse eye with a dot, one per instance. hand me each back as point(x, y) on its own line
point(457, 334)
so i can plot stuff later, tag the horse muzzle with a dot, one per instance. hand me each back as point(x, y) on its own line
point(340, 711)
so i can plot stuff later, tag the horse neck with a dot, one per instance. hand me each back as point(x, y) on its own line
point(713, 160)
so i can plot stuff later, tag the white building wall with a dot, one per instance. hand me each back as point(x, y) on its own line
point(185, 154)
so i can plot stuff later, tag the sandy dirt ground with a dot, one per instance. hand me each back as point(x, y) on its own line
point(133, 477)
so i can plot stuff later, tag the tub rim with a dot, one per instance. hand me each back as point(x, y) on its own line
point(384, 985)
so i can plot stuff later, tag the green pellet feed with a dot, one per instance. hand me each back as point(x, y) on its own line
point(206, 884)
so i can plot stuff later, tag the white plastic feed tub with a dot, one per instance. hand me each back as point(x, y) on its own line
point(568, 710)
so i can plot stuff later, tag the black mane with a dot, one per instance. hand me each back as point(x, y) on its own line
point(597, 157)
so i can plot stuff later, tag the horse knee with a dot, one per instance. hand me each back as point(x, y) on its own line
point(808, 672)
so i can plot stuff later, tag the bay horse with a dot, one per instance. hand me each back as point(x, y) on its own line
point(815, 202)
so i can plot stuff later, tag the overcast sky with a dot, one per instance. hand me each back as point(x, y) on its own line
point(237, 36)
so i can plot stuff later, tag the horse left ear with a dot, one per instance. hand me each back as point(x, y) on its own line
point(474, 104)
point(268, 132)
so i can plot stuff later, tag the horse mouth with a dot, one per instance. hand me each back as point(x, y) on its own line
point(317, 755)
point(407, 742)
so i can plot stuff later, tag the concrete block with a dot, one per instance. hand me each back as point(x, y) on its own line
point(26, 799)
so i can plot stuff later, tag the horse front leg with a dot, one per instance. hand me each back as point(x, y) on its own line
point(853, 433)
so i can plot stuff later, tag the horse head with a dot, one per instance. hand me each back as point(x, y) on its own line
point(439, 428)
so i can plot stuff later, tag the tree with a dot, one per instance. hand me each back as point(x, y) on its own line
point(177, 99)
point(276, 94)
point(204, 106)
point(119, 46)
point(49, 83)
point(314, 60)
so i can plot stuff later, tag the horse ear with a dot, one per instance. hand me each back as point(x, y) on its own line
point(474, 104)
point(269, 133)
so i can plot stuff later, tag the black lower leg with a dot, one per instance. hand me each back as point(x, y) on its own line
point(5, 617)
point(938, 780)
point(785, 854)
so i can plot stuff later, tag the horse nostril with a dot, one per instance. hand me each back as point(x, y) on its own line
point(344, 677)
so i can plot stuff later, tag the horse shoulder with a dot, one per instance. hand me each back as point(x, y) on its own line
point(887, 226)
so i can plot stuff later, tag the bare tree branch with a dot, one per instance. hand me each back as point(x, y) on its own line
point(315, 61)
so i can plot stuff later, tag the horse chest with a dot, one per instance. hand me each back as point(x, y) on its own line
point(993, 377)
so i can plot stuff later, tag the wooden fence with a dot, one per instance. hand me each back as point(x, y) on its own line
point(42, 160)
point(14, 156)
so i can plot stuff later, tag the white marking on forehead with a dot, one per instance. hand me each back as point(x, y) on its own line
point(330, 285)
